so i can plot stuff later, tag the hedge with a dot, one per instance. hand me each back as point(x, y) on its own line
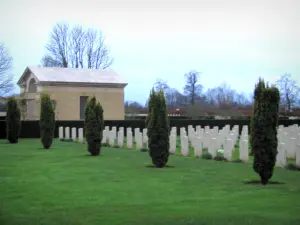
point(31, 129)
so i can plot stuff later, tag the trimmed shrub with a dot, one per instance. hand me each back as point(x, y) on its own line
point(220, 158)
point(93, 126)
point(259, 87)
point(265, 133)
point(293, 167)
point(158, 130)
point(143, 150)
point(150, 107)
point(206, 155)
point(13, 120)
point(47, 121)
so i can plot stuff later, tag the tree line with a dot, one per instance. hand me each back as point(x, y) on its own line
point(222, 96)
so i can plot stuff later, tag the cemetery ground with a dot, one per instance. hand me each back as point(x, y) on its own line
point(66, 186)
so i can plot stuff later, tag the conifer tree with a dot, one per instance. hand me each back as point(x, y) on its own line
point(47, 121)
point(158, 130)
point(13, 120)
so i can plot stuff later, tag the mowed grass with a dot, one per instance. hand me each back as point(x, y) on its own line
point(66, 186)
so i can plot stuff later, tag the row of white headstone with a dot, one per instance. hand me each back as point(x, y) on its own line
point(212, 140)
point(109, 136)
point(288, 145)
point(201, 138)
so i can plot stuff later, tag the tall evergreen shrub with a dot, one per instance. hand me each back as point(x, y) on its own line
point(13, 120)
point(94, 126)
point(265, 133)
point(150, 107)
point(158, 129)
point(259, 87)
point(47, 120)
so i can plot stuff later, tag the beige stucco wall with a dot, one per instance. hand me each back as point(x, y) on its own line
point(68, 101)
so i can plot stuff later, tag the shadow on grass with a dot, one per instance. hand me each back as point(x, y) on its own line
point(255, 182)
point(152, 166)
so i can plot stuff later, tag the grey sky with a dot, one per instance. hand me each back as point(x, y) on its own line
point(227, 40)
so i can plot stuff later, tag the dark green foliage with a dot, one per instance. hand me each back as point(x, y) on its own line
point(158, 130)
point(264, 140)
point(293, 167)
point(104, 145)
point(143, 150)
point(150, 106)
point(67, 140)
point(259, 87)
point(237, 161)
point(206, 155)
point(220, 158)
point(13, 120)
point(94, 125)
point(47, 121)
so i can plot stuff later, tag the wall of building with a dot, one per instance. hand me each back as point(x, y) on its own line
point(68, 101)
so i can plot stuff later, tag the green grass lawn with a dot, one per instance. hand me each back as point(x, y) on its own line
point(65, 186)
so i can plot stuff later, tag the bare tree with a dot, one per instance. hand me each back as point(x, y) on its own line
point(289, 91)
point(6, 78)
point(192, 88)
point(242, 100)
point(77, 48)
point(161, 84)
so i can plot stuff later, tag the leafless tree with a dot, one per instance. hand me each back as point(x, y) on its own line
point(77, 48)
point(161, 84)
point(6, 78)
point(289, 91)
point(192, 88)
point(242, 100)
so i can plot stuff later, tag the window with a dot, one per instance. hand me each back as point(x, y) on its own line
point(83, 100)
point(32, 86)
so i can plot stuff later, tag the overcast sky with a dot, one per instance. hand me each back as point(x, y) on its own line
point(227, 40)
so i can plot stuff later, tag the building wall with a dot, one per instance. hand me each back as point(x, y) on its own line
point(68, 101)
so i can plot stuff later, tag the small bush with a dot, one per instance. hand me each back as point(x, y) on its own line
point(206, 156)
point(237, 161)
point(105, 144)
point(13, 120)
point(116, 146)
point(143, 150)
point(220, 158)
point(47, 121)
point(293, 167)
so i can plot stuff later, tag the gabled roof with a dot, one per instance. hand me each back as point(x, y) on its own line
point(73, 75)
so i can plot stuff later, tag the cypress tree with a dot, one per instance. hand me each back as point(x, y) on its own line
point(47, 121)
point(94, 125)
point(265, 133)
point(158, 129)
point(13, 120)
point(259, 87)
point(150, 107)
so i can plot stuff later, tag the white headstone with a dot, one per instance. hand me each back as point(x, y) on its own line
point(244, 152)
point(111, 138)
point(172, 149)
point(74, 134)
point(184, 146)
point(80, 135)
point(281, 159)
point(198, 147)
point(67, 132)
point(129, 140)
point(228, 149)
point(121, 138)
point(61, 132)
